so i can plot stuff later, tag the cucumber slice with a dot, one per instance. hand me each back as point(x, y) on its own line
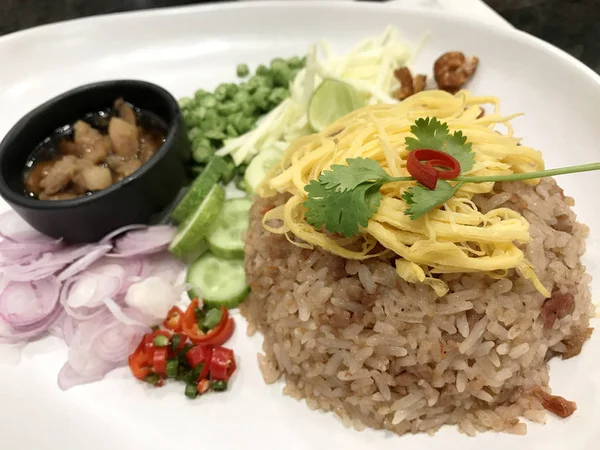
point(190, 235)
point(199, 189)
point(225, 237)
point(258, 168)
point(221, 281)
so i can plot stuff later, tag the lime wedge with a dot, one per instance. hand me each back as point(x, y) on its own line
point(199, 189)
point(330, 101)
point(190, 234)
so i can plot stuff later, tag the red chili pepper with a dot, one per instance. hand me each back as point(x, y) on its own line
point(223, 335)
point(139, 362)
point(174, 319)
point(437, 165)
point(159, 361)
point(203, 386)
point(222, 364)
point(216, 336)
point(199, 354)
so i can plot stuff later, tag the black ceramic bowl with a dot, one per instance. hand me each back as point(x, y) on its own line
point(136, 199)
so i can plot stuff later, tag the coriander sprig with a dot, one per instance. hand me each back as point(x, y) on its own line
point(344, 198)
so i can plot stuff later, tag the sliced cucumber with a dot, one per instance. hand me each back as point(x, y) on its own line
point(199, 189)
point(258, 168)
point(190, 235)
point(226, 235)
point(221, 281)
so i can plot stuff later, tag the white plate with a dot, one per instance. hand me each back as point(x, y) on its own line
point(184, 49)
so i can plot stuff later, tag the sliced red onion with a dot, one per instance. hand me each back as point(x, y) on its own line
point(84, 262)
point(68, 377)
point(24, 304)
point(57, 328)
point(109, 237)
point(23, 334)
point(118, 313)
point(97, 346)
point(163, 265)
point(119, 340)
point(23, 252)
point(82, 313)
point(48, 264)
point(77, 292)
point(90, 289)
point(144, 242)
point(69, 328)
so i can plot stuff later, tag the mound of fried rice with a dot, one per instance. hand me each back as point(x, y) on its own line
point(355, 339)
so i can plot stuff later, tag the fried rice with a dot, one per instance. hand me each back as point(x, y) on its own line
point(353, 338)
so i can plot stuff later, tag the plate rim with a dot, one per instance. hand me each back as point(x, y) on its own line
point(522, 37)
point(519, 37)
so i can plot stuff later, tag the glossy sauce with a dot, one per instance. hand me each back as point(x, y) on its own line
point(100, 149)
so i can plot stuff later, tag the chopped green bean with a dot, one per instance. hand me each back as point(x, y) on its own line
point(231, 131)
point(218, 386)
point(242, 70)
point(186, 102)
point(295, 62)
point(262, 70)
point(233, 109)
point(151, 378)
point(227, 108)
point(221, 92)
point(172, 368)
point(160, 341)
point(195, 119)
point(229, 173)
point(216, 135)
point(199, 94)
point(192, 133)
point(175, 341)
point(241, 96)
point(208, 101)
point(212, 318)
point(202, 149)
point(197, 371)
point(191, 390)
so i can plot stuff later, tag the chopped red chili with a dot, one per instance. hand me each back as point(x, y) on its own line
point(222, 364)
point(427, 166)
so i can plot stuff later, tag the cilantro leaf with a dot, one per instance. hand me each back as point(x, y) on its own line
point(341, 211)
point(458, 147)
point(423, 200)
point(429, 133)
point(359, 170)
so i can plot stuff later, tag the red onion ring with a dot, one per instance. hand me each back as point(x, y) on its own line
point(110, 236)
point(68, 377)
point(163, 265)
point(77, 292)
point(23, 334)
point(144, 242)
point(48, 264)
point(82, 313)
point(84, 262)
point(24, 304)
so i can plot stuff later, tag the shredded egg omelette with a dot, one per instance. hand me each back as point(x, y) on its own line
point(454, 238)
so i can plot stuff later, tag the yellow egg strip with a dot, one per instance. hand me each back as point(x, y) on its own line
point(452, 239)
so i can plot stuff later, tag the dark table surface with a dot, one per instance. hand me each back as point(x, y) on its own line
point(569, 24)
